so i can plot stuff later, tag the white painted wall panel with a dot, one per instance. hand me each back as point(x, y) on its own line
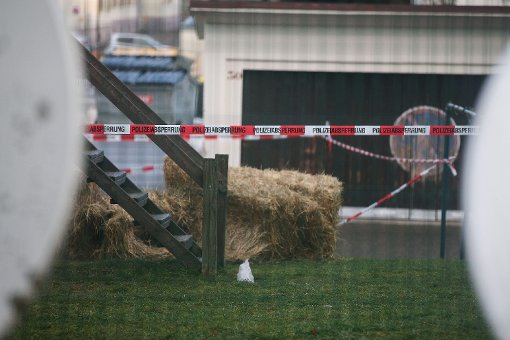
point(387, 43)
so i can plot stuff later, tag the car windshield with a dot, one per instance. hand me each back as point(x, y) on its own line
point(140, 41)
point(153, 42)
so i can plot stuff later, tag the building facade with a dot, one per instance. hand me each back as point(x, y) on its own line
point(241, 36)
point(306, 63)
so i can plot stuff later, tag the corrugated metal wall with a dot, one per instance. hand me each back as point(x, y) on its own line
point(271, 97)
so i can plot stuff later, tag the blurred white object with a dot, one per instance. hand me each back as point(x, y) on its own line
point(198, 143)
point(39, 144)
point(244, 273)
point(486, 198)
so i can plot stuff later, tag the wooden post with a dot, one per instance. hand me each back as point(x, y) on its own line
point(222, 166)
point(210, 222)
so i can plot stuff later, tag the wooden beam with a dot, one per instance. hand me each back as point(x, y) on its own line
point(210, 222)
point(222, 167)
point(139, 113)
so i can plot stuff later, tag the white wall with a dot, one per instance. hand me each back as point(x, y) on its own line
point(381, 42)
point(191, 47)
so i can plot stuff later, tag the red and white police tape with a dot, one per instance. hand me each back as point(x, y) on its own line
point(150, 168)
point(281, 130)
point(144, 138)
point(390, 195)
point(142, 169)
point(395, 159)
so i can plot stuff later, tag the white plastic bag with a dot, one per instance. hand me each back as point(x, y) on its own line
point(244, 273)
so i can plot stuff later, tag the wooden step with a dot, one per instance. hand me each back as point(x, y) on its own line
point(118, 177)
point(162, 219)
point(139, 197)
point(185, 240)
point(96, 156)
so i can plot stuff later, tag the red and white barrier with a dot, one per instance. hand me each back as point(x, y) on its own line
point(390, 195)
point(141, 169)
point(280, 130)
point(389, 158)
point(144, 138)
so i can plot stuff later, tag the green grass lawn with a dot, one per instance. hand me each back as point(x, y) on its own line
point(341, 299)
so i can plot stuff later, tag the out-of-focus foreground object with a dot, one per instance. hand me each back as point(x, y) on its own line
point(39, 144)
point(487, 195)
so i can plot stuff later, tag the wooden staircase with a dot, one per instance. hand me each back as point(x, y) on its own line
point(209, 173)
point(137, 203)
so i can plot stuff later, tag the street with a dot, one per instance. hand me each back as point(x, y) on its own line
point(397, 239)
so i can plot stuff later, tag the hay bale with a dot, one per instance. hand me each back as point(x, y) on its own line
point(271, 214)
point(103, 230)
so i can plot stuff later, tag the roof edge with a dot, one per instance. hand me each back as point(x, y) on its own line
point(213, 5)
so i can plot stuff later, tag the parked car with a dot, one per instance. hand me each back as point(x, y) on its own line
point(136, 44)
